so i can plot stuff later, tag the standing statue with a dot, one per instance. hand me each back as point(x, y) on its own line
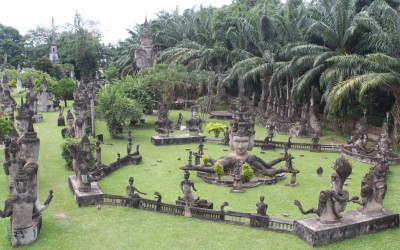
point(384, 144)
point(332, 202)
point(163, 125)
point(179, 122)
point(98, 153)
point(194, 124)
point(61, 119)
point(81, 163)
point(12, 164)
point(226, 136)
point(373, 189)
point(186, 187)
point(70, 130)
point(129, 144)
point(25, 212)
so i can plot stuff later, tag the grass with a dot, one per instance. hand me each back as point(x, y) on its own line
point(65, 226)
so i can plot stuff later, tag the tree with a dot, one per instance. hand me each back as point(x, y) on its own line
point(5, 128)
point(117, 109)
point(12, 43)
point(45, 65)
point(65, 88)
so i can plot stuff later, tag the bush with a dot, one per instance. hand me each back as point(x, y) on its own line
point(247, 172)
point(65, 88)
point(12, 83)
point(206, 159)
point(66, 155)
point(217, 128)
point(219, 170)
point(5, 128)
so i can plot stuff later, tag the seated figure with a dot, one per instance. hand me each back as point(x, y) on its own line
point(70, 130)
point(163, 125)
point(194, 123)
point(332, 202)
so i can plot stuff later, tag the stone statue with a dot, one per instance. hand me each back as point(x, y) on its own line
point(373, 189)
point(146, 56)
point(261, 207)
point(24, 210)
point(130, 190)
point(45, 99)
point(129, 144)
point(81, 121)
point(23, 118)
point(12, 164)
point(194, 124)
point(384, 144)
point(186, 187)
point(315, 146)
point(359, 139)
point(61, 119)
point(332, 202)
point(98, 153)
point(70, 130)
point(179, 122)
point(163, 125)
point(270, 134)
point(81, 163)
point(226, 136)
point(201, 148)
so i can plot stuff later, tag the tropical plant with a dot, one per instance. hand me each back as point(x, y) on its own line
point(117, 109)
point(206, 159)
point(216, 128)
point(219, 170)
point(247, 172)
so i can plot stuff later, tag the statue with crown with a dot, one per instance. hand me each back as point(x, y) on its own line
point(241, 141)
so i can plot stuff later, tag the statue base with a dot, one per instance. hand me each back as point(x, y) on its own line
point(95, 196)
point(177, 139)
point(352, 224)
point(26, 236)
point(257, 220)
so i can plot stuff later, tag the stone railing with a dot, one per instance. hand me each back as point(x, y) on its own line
point(237, 218)
point(206, 214)
point(113, 200)
point(302, 146)
point(281, 225)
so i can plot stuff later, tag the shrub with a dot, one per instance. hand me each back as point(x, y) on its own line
point(12, 83)
point(247, 172)
point(217, 128)
point(65, 88)
point(5, 128)
point(219, 170)
point(206, 159)
point(66, 155)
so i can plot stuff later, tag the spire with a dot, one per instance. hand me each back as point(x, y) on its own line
point(145, 39)
point(53, 56)
point(53, 37)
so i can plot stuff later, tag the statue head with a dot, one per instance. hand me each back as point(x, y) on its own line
point(29, 144)
point(21, 180)
point(262, 198)
point(162, 112)
point(23, 119)
point(343, 169)
point(194, 111)
point(186, 175)
point(241, 144)
point(130, 181)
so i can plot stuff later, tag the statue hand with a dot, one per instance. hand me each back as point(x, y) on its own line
point(49, 198)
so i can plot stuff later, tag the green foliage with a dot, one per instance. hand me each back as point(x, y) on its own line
point(219, 170)
point(206, 159)
point(136, 89)
point(45, 65)
point(112, 74)
point(217, 128)
point(66, 155)
point(38, 82)
point(247, 172)
point(115, 108)
point(13, 43)
point(65, 88)
point(12, 83)
point(5, 128)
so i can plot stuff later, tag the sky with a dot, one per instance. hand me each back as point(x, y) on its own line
point(115, 16)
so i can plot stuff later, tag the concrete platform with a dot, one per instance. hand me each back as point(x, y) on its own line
point(177, 139)
point(95, 196)
point(353, 224)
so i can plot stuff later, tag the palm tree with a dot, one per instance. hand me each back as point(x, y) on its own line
point(379, 70)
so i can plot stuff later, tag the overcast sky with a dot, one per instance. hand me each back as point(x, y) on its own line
point(115, 16)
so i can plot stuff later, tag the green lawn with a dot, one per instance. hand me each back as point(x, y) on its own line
point(65, 226)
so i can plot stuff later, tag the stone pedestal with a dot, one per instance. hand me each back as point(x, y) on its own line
point(95, 196)
point(353, 224)
point(177, 139)
point(26, 236)
point(260, 221)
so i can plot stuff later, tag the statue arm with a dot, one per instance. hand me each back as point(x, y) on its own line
point(7, 208)
point(5, 166)
point(193, 187)
point(39, 207)
point(139, 191)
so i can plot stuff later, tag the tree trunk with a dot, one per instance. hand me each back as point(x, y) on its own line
point(396, 118)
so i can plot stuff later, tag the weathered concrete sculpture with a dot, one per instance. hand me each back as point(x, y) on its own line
point(61, 119)
point(82, 122)
point(226, 136)
point(25, 212)
point(132, 195)
point(45, 101)
point(81, 163)
point(23, 118)
point(373, 189)
point(241, 140)
point(163, 125)
point(194, 124)
point(267, 143)
point(129, 144)
point(186, 187)
point(145, 57)
point(332, 202)
point(12, 164)
point(384, 144)
point(179, 122)
point(315, 146)
point(70, 130)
